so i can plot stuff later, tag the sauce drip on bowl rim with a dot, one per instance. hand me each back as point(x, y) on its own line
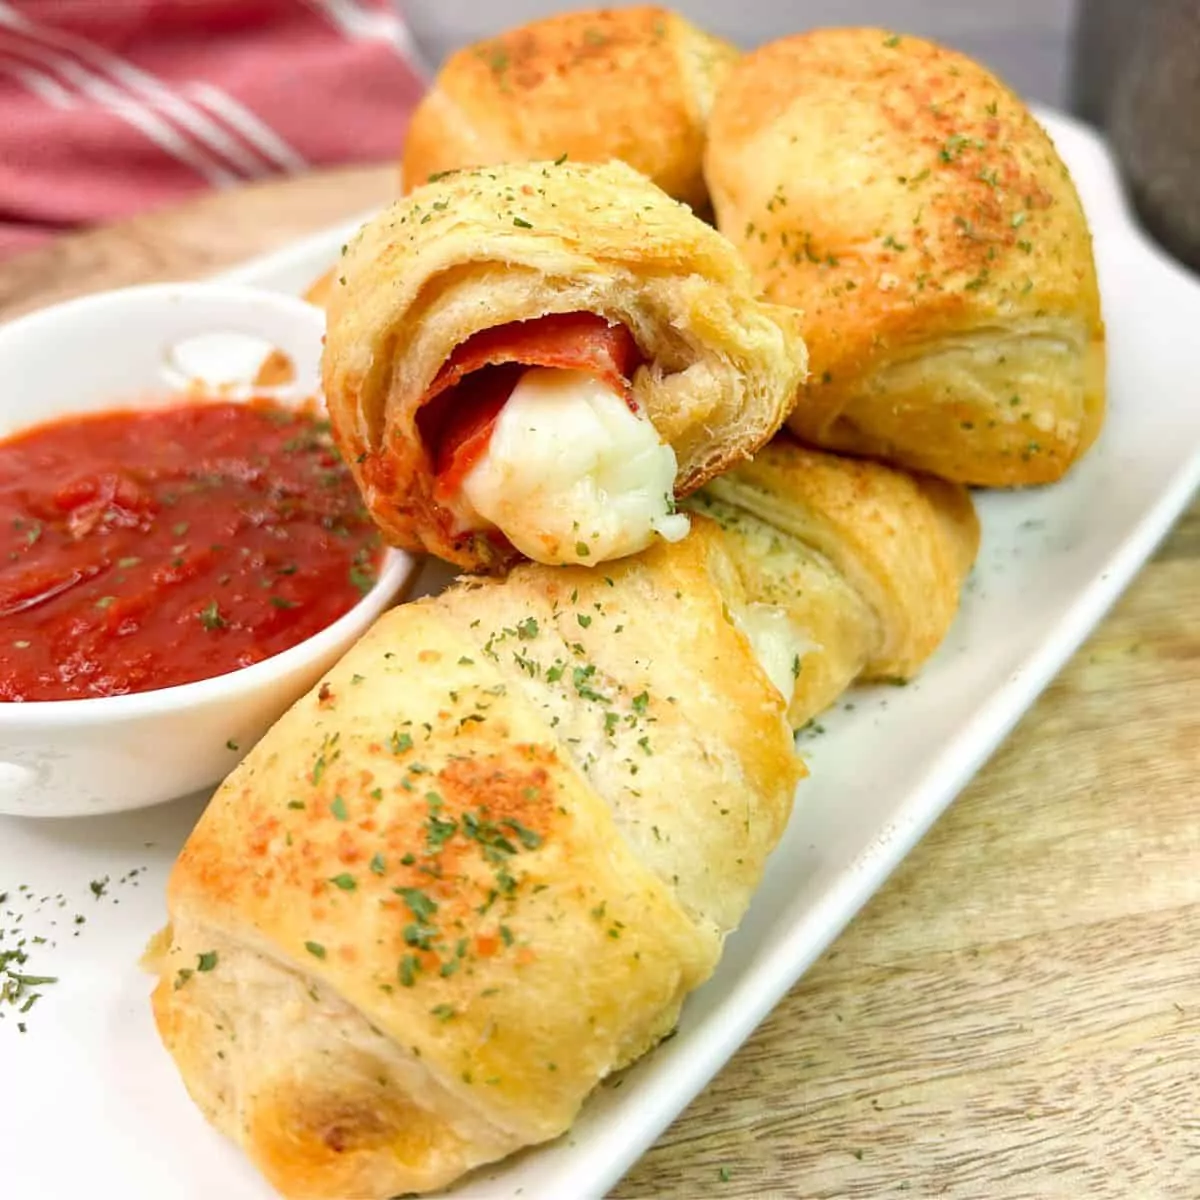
point(145, 548)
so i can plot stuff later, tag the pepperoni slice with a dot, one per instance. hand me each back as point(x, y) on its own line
point(469, 415)
point(460, 408)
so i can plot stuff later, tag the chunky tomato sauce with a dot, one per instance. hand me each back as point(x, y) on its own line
point(149, 548)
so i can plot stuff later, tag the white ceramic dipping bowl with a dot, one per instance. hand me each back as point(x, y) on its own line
point(83, 757)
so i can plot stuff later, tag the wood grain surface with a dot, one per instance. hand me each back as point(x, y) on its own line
point(1016, 1014)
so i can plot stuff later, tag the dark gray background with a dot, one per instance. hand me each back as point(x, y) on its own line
point(1028, 42)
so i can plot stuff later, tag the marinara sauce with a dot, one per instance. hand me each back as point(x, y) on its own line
point(142, 549)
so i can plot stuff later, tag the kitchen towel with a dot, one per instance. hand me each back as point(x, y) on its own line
point(110, 107)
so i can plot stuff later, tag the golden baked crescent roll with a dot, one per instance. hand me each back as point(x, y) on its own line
point(535, 359)
point(634, 84)
point(854, 570)
point(914, 210)
point(474, 871)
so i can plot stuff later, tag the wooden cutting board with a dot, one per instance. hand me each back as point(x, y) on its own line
point(1017, 1013)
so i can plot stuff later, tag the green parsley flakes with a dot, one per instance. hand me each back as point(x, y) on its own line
point(407, 971)
point(419, 904)
point(210, 617)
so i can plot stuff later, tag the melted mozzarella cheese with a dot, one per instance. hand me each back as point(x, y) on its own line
point(777, 644)
point(571, 475)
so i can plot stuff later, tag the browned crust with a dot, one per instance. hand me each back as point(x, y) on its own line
point(630, 83)
point(901, 196)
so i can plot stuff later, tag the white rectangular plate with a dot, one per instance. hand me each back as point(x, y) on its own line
point(87, 1096)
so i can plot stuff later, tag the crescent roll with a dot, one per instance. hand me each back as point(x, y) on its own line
point(854, 570)
point(635, 84)
point(914, 210)
point(536, 359)
point(474, 871)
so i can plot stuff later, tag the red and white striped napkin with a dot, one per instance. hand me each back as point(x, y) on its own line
point(109, 107)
